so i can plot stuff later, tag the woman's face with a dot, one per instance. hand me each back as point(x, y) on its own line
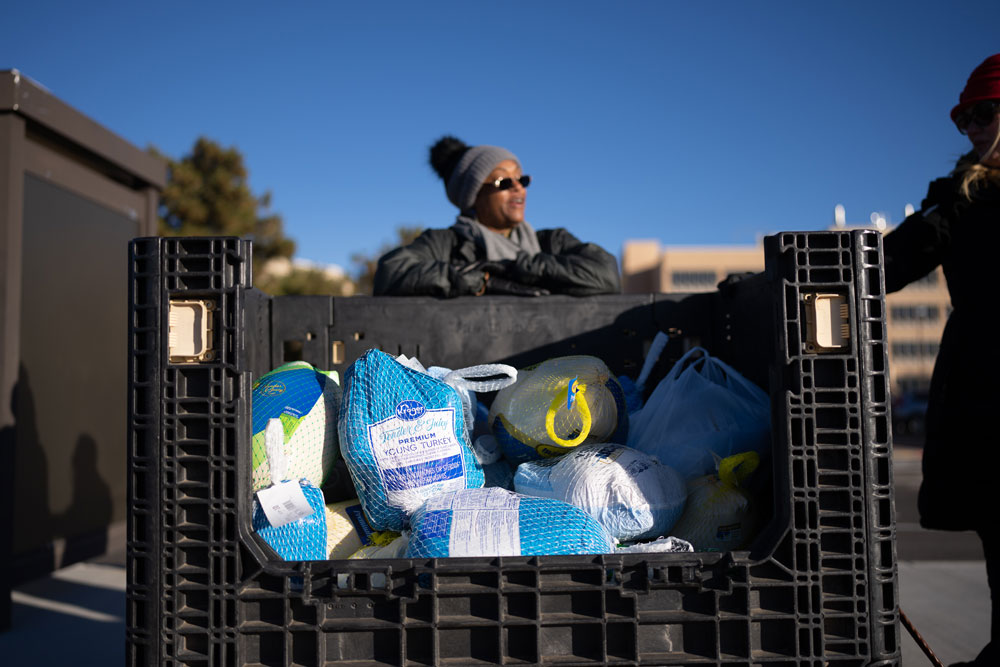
point(985, 138)
point(502, 210)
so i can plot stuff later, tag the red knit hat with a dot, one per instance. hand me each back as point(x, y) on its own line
point(983, 84)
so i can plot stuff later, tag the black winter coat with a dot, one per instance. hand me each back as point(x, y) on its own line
point(961, 458)
point(436, 264)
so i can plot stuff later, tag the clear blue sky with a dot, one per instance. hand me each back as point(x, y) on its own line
point(636, 119)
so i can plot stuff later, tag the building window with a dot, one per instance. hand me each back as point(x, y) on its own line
point(700, 279)
point(915, 313)
point(921, 349)
point(928, 281)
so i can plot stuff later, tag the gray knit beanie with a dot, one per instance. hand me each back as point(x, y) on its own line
point(472, 169)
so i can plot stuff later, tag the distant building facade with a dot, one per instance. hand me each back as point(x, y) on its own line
point(648, 266)
point(915, 315)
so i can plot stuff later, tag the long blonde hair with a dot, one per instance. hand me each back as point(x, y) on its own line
point(974, 173)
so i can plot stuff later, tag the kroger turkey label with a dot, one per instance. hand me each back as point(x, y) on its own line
point(417, 447)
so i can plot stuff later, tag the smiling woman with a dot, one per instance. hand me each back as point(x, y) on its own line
point(491, 248)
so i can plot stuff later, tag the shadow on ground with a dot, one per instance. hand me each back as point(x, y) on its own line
point(74, 617)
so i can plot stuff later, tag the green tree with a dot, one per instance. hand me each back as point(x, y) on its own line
point(207, 194)
point(366, 264)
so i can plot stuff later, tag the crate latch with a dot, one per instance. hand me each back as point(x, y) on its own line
point(828, 323)
point(190, 338)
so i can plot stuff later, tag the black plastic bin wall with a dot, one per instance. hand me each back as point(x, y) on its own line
point(817, 587)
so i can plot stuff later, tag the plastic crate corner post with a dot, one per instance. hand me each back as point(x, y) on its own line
point(188, 408)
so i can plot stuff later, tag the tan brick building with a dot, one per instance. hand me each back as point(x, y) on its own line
point(915, 315)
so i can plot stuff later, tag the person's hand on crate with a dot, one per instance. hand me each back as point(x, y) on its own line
point(473, 278)
point(497, 285)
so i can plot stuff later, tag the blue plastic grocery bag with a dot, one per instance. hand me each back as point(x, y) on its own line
point(497, 522)
point(702, 407)
point(403, 437)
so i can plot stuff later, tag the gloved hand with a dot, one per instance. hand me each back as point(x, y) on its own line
point(504, 286)
point(498, 268)
point(472, 278)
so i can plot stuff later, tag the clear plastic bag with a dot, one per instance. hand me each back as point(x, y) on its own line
point(661, 545)
point(720, 516)
point(703, 407)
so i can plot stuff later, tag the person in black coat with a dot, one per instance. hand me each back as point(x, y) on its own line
point(491, 248)
point(958, 228)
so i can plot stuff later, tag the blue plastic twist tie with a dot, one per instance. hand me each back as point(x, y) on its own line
point(571, 392)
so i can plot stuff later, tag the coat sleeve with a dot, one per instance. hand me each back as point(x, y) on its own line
point(422, 268)
point(920, 243)
point(568, 266)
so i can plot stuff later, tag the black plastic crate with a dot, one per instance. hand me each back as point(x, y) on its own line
point(817, 587)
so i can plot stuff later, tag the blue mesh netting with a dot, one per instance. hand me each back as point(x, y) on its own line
point(302, 539)
point(497, 522)
point(403, 437)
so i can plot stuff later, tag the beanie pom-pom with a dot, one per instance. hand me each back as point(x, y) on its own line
point(445, 154)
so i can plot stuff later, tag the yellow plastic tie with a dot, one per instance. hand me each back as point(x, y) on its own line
point(383, 538)
point(736, 468)
point(558, 403)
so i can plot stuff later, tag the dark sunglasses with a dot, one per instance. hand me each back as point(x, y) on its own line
point(508, 182)
point(982, 114)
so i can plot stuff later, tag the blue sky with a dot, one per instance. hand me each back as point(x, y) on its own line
point(636, 119)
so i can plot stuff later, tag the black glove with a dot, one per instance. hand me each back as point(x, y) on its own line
point(486, 266)
point(471, 278)
point(504, 286)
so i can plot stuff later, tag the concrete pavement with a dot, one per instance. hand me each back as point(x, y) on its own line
point(76, 616)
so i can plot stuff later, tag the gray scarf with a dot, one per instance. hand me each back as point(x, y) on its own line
point(497, 246)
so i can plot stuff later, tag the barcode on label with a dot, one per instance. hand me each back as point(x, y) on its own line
point(284, 503)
